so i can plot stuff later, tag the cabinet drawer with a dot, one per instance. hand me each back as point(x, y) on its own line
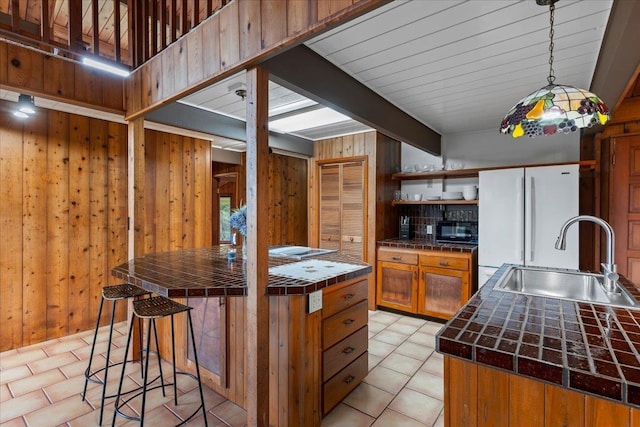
point(444, 261)
point(392, 255)
point(344, 297)
point(344, 352)
point(344, 323)
point(344, 382)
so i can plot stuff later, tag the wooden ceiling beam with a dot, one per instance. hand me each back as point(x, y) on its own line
point(302, 70)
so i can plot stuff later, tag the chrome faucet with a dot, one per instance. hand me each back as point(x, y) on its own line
point(609, 269)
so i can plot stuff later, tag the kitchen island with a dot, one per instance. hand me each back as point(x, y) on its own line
point(315, 358)
point(524, 360)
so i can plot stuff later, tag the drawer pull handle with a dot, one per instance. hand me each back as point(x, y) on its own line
point(349, 379)
point(348, 350)
point(444, 262)
point(348, 322)
point(351, 238)
point(396, 258)
point(347, 297)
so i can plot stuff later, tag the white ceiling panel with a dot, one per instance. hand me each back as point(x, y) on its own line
point(456, 66)
point(445, 53)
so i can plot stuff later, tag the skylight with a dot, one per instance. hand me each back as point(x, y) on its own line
point(311, 119)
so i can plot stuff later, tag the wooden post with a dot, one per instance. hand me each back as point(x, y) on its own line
point(136, 209)
point(257, 248)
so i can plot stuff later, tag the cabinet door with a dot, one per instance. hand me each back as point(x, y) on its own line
point(397, 286)
point(330, 206)
point(353, 209)
point(441, 292)
point(342, 220)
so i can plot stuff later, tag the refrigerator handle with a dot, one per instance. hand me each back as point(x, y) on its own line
point(520, 220)
point(530, 237)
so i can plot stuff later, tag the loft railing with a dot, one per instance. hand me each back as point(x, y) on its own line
point(127, 32)
point(159, 23)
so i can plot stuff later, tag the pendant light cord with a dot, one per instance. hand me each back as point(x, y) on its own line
point(552, 77)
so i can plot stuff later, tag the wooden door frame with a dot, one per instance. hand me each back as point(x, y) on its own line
point(215, 215)
point(611, 186)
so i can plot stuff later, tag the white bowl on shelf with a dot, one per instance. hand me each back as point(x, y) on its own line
point(452, 195)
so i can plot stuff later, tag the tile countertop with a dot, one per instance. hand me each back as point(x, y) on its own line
point(589, 348)
point(207, 272)
point(427, 245)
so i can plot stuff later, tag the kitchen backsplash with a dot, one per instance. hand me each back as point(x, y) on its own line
point(423, 216)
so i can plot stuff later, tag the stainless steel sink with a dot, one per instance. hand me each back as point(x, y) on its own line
point(571, 285)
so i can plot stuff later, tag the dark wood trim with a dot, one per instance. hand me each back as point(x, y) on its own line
point(15, 16)
point(116, 30)
point(173, 21)
point(44, 21)
point(304, 71)
point(195, 18)
point(184, 27)
point(75, 26)
point(95, 33)
point(144, 36)
point(163, 24)
point(153, 34)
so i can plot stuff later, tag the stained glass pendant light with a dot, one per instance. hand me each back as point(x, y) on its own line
point(554, 108)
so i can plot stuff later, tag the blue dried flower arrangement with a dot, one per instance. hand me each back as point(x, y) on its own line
point(238, 220)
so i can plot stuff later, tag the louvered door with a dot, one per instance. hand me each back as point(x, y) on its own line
point(342, 207)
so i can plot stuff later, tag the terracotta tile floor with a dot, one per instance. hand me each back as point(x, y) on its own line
point(40, 385)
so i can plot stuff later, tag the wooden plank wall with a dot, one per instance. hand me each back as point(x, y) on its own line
point(240, 34)
point(383, 157)
point(178, 184)
point(517, 401)
point(178, 200)
point(287, 200)
point(27, 71)
point(63, 187)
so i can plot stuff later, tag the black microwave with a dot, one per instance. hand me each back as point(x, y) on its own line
point(457, 232)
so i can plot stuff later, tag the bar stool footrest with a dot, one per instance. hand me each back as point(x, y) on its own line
point(139, 390)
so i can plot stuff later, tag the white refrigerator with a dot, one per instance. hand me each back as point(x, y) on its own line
point(520, 213)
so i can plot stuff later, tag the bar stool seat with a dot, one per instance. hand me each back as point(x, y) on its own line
point(151, 309)
point(114, 294)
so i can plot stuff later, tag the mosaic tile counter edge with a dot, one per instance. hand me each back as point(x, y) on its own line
point(427, 245)
point(207, 272)
point(586, 347)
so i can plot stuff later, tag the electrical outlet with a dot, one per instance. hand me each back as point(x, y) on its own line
point(315, 301)
point(429, 229)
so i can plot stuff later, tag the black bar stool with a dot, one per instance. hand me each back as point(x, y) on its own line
point(155, 308)
point(114, 294)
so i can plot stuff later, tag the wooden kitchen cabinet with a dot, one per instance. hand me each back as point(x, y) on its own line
point(429, 282)
point(344, 341)
point(517, 401)
point(444, 285)
point(397, 284)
